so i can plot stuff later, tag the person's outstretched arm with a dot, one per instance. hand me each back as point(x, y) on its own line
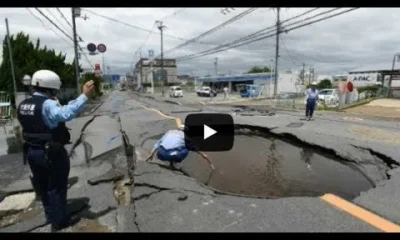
point(54, 113)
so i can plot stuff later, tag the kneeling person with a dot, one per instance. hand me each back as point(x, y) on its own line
point(172, 148)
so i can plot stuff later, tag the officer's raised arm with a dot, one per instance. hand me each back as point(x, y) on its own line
point(56, 113)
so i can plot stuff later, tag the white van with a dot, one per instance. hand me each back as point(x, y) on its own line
point(175, 91)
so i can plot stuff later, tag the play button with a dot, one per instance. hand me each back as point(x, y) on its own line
point(208, 132)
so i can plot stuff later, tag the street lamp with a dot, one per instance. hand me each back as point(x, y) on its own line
point(397, 55)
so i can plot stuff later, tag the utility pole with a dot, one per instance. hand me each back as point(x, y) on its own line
point(309, 77)
point(278, 23)
point(303, 74)
point(216, 66)
point(78, 89)
point(12, 63)
point(313, 74)
point(164, 81)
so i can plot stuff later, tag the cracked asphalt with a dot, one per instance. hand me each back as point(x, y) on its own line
point(107, 198)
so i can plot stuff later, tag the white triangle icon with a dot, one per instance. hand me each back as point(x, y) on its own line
point(208, 132)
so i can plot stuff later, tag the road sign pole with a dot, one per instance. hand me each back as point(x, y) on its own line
point(12, 63)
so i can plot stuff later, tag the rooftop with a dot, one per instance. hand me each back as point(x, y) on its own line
point(379, 67)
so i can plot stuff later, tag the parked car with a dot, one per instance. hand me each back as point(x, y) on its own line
point(329, 96)
point(175, 91)
point(250, 91)
point(206, 92)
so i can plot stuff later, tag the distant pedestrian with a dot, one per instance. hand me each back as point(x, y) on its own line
point(226, 96)
point(311, 100)
point(172, 148)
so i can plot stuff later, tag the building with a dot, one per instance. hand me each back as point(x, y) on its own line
point(146, 67)
point(287, 82)
point(377, 74)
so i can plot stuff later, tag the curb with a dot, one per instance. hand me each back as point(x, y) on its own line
point(359, 103)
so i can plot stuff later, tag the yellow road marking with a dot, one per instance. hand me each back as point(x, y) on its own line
point(177, 120)
point(361, 213)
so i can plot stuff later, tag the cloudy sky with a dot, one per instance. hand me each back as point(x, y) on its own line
point(334, 46)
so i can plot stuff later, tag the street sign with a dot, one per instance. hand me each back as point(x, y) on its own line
point(101, 48)
point(91, 47)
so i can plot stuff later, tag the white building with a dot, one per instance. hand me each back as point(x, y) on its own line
point(287, 82)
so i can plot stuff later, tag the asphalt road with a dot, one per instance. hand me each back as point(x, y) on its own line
point(162, 200)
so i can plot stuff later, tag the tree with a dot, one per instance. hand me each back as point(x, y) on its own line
point(28, 58)
point(326, 83)
point(257, 69)
point(97, 83)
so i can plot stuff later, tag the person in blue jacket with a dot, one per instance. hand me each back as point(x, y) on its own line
point(311, 100)
point(44, 134)
point(173, 149)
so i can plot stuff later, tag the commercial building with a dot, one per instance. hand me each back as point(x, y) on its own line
point(286, 82)
point(148, 70)
point(377, 73)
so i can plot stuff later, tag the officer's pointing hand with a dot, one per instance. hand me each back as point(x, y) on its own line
point(88, 88)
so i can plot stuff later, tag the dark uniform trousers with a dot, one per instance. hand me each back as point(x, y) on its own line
point(50, 166)
point(51, 177)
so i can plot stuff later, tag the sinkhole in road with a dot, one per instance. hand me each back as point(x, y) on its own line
point(265, 166)
point(261, 165)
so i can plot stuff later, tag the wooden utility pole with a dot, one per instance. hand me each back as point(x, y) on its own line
point(78, 89)
point(309, 77)
point(278, 23)
point(163, 80)
point(303, 74)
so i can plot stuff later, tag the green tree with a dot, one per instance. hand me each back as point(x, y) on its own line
point(97, 83)
point(326, 83)
point(28, 58)
point(257, 69)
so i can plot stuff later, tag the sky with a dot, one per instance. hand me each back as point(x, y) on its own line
point(333, 46)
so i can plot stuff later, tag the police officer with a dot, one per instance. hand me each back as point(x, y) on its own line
point(173, 148)
point(311, 100)
point(44, 133)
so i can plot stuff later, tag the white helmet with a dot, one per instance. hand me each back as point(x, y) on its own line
point(46, 79)
point(314, 83)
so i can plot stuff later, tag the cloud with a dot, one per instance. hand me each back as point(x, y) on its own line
point(337, 45)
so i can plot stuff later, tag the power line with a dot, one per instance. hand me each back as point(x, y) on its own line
point(141, 29)
point(254, 39)
point(66, 20)
point(231, 20)
point(47, 28)
point(59, 22)
point(261, 32)
point(44, 15)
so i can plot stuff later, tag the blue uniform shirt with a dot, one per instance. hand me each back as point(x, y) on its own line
point(312, 95)
point(53, 113)
point(173, 139)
